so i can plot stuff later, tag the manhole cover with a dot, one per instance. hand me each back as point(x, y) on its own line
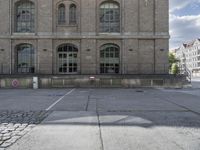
point(139, 91)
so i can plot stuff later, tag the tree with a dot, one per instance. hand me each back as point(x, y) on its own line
point(173, 64)
point(175, 69)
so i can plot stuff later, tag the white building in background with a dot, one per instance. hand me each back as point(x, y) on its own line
point(189, 56)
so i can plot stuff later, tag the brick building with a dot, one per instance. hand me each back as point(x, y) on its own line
point(84, 36)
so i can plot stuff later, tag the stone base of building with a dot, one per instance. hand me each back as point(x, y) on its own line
point(93, 81)
point(196, 73)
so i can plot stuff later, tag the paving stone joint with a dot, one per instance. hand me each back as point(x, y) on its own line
point(15, 124)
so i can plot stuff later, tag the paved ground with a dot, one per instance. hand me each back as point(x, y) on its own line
point(102, 119)
point(196, 82)
point(15, 124)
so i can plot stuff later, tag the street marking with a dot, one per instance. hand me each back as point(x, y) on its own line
point(52, 105)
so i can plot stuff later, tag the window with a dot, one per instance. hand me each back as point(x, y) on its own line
point(109, 17)
point(61, 14)
point(25, 58)
point(109, 59)
point(72, 14)
point(25, 15)
point(67, 59)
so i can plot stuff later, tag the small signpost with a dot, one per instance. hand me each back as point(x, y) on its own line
point(35, 82)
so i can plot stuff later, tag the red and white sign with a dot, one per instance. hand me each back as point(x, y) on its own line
point(15, 83)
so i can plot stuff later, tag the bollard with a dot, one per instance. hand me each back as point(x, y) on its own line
point(35, 82)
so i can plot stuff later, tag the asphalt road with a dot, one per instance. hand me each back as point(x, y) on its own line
point(196, 82)
point(109, 119)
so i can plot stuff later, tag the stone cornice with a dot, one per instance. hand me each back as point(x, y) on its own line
point(102, 36)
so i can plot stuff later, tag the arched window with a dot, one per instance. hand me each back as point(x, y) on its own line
point(25, 16)
point(61, 14)
point(67, 58)
point(72, 14)
point(109, 59)
point(109, 17)
point(25, 58)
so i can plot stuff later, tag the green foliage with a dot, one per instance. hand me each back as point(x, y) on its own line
point(172, 58)
point(173, 64)
point(174, 69)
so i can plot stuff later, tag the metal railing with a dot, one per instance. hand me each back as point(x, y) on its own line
point(185, 71)
point(86, 68)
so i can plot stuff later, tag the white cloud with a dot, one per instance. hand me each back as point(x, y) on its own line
point(183, 28)
point(180, 4)
point(177, 5)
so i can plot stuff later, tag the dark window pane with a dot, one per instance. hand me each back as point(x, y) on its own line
point(67, 58)
point(25, 14)
point(72, 14)
point(109, 17)
point(25, 58)
point(109, 59)
point(61, 14)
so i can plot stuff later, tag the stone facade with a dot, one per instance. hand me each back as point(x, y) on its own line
point(143, 38)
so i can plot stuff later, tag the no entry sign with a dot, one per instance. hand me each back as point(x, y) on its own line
point(15, 83)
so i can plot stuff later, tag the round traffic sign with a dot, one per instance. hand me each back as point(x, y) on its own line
point(15, 83)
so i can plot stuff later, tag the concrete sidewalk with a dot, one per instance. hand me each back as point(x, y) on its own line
point(114, 131)
point(63, 131)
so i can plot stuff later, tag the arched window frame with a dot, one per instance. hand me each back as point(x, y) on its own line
point(109, 17)
point(61, 14)
point(25, 58)
point(109, 59)
point(24, 20)
point(72, 14)
point(67, 59)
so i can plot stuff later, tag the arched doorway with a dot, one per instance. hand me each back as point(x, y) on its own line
point(109, 59)
point(67, 62)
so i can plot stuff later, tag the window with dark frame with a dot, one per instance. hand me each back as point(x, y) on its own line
point(61, 14)
point(109, 59)
point(109, 17)
point(25, 58)
point(67, 59)
point(72, 14)
point(25, 17)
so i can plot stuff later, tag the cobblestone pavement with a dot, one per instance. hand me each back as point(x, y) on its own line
point(15, 124)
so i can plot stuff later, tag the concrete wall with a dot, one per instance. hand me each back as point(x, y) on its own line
point(88, 56)
point(44, 17)
point(161, 19)
point(146, 16)
point(98, 82)
point(5, 56)
point(5, 17)
point(131, 17)
point(45, 56)
point(88, 17)
point(15, 83)
point(131, 56)
point(146, 54)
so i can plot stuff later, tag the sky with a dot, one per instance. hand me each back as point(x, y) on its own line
point(184, 21)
